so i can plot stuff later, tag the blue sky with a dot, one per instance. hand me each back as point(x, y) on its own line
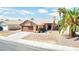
point(38, 13)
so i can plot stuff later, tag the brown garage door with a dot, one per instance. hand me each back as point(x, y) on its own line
point(28, 28)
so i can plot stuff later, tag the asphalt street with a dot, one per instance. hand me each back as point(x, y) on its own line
point(13, 46)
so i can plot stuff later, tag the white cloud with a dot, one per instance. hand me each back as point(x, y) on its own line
point(54, 14)
point(42, 11)
point(10, 18)
point(24, 12)
point(54, 10)
point(3, 17)
point(14, 11)
point(7, 10)
point(2, 8)
point(7, 13)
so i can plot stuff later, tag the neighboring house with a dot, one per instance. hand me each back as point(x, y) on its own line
point(28, 26)
point(3, 26)
point(33, 26)
point(13, 24)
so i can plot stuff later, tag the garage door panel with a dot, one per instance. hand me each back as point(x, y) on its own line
point(28, 28)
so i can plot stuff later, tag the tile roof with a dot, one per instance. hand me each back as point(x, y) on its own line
point(41, 22)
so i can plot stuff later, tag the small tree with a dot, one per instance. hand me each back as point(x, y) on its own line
point(19, 19)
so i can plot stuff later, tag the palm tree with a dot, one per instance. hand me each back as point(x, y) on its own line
point(61, 11)
point(69, 19)
point(32, 19)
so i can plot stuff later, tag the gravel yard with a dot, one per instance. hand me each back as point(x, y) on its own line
point(40, 37)
point(54, 38)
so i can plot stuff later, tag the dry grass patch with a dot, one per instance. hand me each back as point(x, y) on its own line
point(6, 33)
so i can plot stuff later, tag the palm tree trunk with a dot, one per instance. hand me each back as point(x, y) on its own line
point(71, 33)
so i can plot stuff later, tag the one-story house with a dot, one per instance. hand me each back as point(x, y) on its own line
point(3, 26)
point(33, 26)
point(13, 24)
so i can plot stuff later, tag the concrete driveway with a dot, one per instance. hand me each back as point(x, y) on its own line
point(19, 35)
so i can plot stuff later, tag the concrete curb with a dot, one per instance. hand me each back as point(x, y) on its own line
point(41, 45)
